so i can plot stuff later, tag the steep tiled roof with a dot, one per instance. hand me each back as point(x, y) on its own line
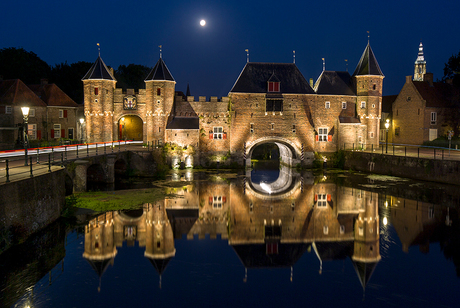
point(368, 64)
point(184, 123)
point(335, 83)
point(160, 72)
point(52, 95)
point(254, 78)
point(439, 94)
point(99, 71)
point(16, 93)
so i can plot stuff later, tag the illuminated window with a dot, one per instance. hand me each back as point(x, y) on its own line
point(344, 105)
point(342, 229)
point(361, 231)
point(325, 229)
point(57, 131)
point(32, 131)
point(322, 200)
point(218, 132)
point(217, 202)
point(322, 134)
point(363, 105)
point(61, 113)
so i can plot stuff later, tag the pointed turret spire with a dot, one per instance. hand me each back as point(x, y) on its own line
point(160, 72)
point(420, 64)
point(188, 91)
point(99, 71)
point(368, 64)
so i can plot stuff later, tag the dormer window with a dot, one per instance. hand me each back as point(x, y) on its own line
point(273, 86)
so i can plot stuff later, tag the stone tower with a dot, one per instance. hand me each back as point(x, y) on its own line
point(369, 84)
point(420, 65)
point(98, 89)
point(160, 86)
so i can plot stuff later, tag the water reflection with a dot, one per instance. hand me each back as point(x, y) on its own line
point(324, 217)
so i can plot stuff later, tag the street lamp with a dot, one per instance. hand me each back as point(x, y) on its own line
point(25, 117)
point(81, 128)
point(387, 125)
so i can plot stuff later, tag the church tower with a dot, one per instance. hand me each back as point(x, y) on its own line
point(98, 90)
point(420, 65)
point(160, 88)
point(369, 84)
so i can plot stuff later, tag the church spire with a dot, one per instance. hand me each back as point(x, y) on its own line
point(420, 64)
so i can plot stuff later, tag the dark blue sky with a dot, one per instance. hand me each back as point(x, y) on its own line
point(210, 58)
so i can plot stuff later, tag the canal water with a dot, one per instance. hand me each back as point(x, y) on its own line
point(268, 237)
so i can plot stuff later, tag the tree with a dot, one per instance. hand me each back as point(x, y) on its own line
point(68, 78)
point(452, 69)
point(131, 76)
point(17, 63)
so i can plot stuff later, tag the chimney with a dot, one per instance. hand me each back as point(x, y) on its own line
point(43, 81)
point(428, 77)
point(408, 79)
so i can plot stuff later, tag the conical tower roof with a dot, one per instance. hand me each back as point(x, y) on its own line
point(99, 71)
point(364, 270)
point(160, 72)
point(368, 64)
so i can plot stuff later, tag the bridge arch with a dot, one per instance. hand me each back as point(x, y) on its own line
point(289, 153)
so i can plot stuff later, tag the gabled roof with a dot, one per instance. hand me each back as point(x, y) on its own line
point(335, 83)
point(254, 78)
point(52, 95)
point(160, 72)
point(184, 123)
point(368, 64)
point(440, 94)
point(99, 71)
point(14, 92)
point(255, 255)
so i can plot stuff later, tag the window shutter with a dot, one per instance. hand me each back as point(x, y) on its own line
point(329, 138)
point(276, 86)
point(65, 113)
point(39, 134)
point(210, 200)
point(316, 197)
point(328, 198)
point(224, 199)
point(270, 87)
point(211, 135)
point(52, 133)
point(62, 133)
point(224, 136)
point(317, 137)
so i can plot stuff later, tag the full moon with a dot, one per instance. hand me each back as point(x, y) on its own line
point(202, 22)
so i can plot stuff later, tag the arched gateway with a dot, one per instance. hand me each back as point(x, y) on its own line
point(289, 154)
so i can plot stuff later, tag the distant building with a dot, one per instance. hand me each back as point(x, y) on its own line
point(269, 103)
point(424, 110)
point(52, 114)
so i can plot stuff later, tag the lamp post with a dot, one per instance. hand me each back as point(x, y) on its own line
point(387, 125)
point(81, 128)
point(25, 117)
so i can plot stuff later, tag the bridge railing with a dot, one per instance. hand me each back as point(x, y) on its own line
point(406, 150)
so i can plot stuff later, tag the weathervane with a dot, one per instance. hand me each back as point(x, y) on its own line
point(368, 37)
point(247, 55)
point(324, 64)
point(346, 62)
point(160, 50)
point(99, 49)
point(293, 55)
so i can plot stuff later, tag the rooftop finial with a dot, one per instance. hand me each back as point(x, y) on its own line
point(346, 63)
point(247, 55)
point(324, 64)
point(293, 55)
point(99, 49)
point(160, 51)
point(368, 37)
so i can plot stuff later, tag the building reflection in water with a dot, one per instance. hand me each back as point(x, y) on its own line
point(268, 224)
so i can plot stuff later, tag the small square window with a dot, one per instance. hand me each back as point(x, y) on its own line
point(31, 113)
point(9, 110)
point(293, 128)
point(61, 113)
point(218, 132)
point(433, 118)
point(252, 128)
point(273, 126)
point(322, 134)
point(371, 134)
point(322, 200)
point(328, 105)
point(344, 105)
point(325, 229)
point(363, 104)
point(96, 91)
point(158, 91)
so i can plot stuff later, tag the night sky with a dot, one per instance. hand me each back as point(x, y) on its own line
point(211, 58)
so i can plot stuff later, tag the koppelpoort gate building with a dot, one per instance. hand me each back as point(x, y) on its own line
point(269, 103)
